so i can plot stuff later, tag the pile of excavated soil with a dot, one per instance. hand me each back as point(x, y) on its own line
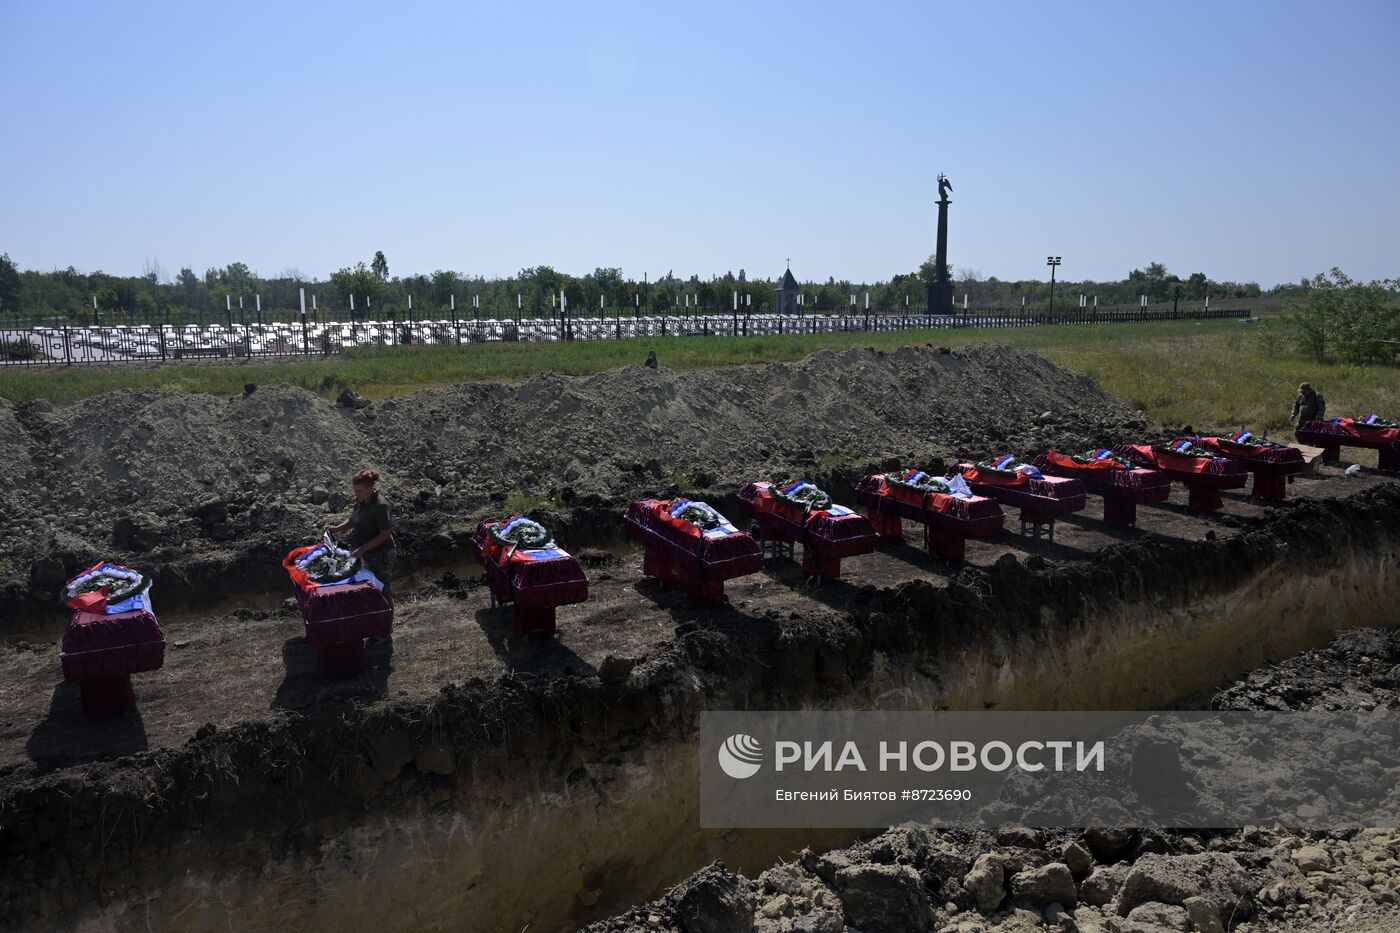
point(193, 486)
point(914, 880)
point(1360, 670)
point(1126, 880)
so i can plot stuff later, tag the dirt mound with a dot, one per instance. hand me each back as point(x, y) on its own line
point(916, 879)
point(1360, 670)
point(195, 487)
point(1022, 880)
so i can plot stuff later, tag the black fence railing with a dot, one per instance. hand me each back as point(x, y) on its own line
point(47, 344)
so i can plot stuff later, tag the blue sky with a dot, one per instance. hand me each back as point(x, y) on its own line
point(1248, 140)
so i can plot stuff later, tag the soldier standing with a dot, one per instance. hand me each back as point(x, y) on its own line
point(1309, 405)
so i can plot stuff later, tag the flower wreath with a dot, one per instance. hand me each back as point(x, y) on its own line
point(120, 584)
point(327, 562)
point(520, 532)
point(918, 479)
point(698, 514)
point(804, 495)
point(1094, 456)
point(1186, 449)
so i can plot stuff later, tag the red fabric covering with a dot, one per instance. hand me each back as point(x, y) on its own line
point(1273, 461)
point(537, 586)
point(340, 612)
point(972, 474)
point(1134, 485)
point(1066, 462)
point(1206, 472)
point(826, 538)
point(344, 612)
point(1332, 437)
point(95, 601)
point(976, 517)
point(1370, 433)
point(679, 555)
point(722, 558)
point(837, 536)
point(103, 646)
point(299, 578)
point(1042, 500)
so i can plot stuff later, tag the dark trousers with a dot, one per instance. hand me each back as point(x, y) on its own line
point(380, 562)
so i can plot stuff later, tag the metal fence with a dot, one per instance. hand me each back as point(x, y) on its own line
point(67, 344)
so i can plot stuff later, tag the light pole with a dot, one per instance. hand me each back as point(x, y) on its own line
point(1052, 262)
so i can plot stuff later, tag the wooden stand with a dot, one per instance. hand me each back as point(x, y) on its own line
point(341, 660)
point(1270, 487)
point(1203, 499)
point(708, 592)
point(1119, 512)
point(105, 697)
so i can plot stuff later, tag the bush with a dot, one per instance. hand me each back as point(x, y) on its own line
point(1359, 322)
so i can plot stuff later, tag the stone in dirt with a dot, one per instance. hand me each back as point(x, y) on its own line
point(713, 900)
point(136, 533)
point(1312, 859)
point(1050, 884)
point(596, 557)
point(1108, 843)
point(615, 670)
point(884, 899)
point(985, 880)
point(1153, 917)
point(1077, 858)
point(1204, 915)
point(1171, 879)
point(349, 398)
point(1102, 884)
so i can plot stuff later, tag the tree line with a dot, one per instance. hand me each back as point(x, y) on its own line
point(70, 294)
point(1328, 314)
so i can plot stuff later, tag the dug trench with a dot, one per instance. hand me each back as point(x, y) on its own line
point(920, 879)
point(563, 789)
point(475, 781)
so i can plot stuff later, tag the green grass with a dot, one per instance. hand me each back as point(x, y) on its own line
point(522, 503)
point(1210, 374)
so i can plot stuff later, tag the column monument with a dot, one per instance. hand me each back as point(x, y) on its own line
point(940, 290)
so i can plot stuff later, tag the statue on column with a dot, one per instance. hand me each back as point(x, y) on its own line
point(944, 186)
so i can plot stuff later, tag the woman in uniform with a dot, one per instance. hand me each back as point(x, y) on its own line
point(371, 530)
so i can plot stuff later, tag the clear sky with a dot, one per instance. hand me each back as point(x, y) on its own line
point(1247, 140)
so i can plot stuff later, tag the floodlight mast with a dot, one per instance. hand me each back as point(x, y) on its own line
point(1053, 262)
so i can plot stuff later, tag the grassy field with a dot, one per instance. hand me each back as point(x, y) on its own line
point(1214, 374)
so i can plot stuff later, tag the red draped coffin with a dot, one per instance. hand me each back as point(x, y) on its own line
point(1204, 477)
point(827, 535)
point(1332, 436)
point(101, 651)
point(1122, 488)
point(679, 553)
point(948, 520)
point(1271, 464)
point(339, 617)
point(1041, 500)
point(536, 580)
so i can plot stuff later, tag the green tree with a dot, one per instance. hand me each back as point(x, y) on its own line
point(1361, 322)
point(380, 266)
point(11, 286)
point(357, 280)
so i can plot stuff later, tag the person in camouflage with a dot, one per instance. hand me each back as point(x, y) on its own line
point(1309, 405)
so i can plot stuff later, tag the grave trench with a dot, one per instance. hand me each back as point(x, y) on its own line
point(497, 806)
